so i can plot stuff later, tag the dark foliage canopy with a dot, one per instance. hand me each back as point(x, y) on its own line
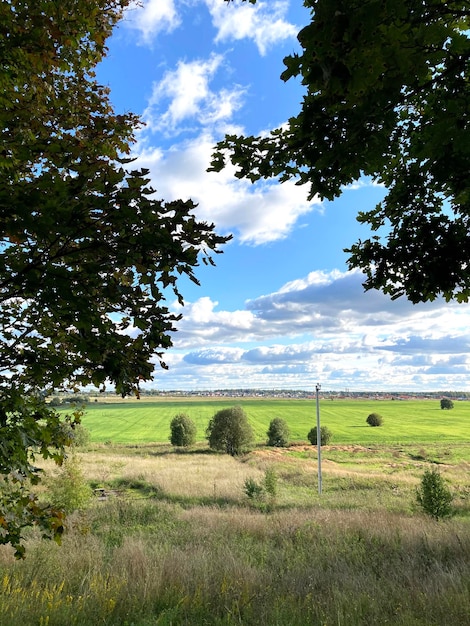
point(87, 250)
point(278, 433)
point(182, 430)
point(325, 436)
point(387, 95)
point(446, 403)
point(374, 419)
point(229, 431)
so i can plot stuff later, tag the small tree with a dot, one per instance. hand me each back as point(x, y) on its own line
point(278, 433)
point(433, 495)
point(183, 430)
point(446, 403)
point(77, 434)
point(69, 490)
point(374, 419)
point(325, 436)
point(229, 431)
point(261, 490)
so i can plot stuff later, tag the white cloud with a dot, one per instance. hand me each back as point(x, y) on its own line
point(264, 23)
point(151, 17)
point(316, 336)
point(217, 355)
point(257, 214)
point(183, 97)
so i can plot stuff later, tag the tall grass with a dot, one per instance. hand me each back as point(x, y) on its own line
point(218, 567)
point(165, 547)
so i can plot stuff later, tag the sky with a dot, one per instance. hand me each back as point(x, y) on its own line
point(280, 309)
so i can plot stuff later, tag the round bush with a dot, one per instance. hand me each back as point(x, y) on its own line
point(229, 431)
point(374, 419)
point(325, 436)
point(278, 433)
point(446, 403)
point(183, 430)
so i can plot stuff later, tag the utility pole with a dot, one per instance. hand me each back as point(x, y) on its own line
point(317, 389)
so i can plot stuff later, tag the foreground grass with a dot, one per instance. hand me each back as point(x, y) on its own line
point(178, 542)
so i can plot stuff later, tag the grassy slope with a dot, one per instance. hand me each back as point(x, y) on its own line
point(177, 542)
point(417, 421)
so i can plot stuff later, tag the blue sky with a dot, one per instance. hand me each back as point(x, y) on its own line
point(280, 309)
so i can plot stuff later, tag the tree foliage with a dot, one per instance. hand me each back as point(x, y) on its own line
point(325, 436)
point(88, 252)
point(229, 431)
point(387, 95)
point(446, 403)
point(433, 495)
point(183, 430)
point(374, 419)
point(69, 490)
point(278, 433)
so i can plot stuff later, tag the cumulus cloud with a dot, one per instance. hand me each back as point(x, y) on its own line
point(214, 355)
point(430, 345)
point(189, 110)
point(203, 325)
point(334, 296)
point(334, 318)
point(150, 17)
point(183, 97)
point(331, 341)
point(256, 214)
point(264, 23)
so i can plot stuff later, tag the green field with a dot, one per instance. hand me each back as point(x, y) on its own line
point(408, 421)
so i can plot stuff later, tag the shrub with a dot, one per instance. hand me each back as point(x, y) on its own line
point(69, 490)
point(446, 403)
point(270, 482)
point(278, 433)
point(259, 491)
point(374, 419)
point(229, 431)
point(78, 435)
point(325, 436)
point(183, 430)
point(433, 495)
point(252, 489)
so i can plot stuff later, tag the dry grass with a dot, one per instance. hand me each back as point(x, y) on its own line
point(197, 551)
point(188, 475)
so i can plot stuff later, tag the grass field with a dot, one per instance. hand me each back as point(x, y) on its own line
point(410, 421)
point(175, 541)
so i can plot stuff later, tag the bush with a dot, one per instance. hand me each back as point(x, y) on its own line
point(183, 430)
point(252, 489)
point(325, 436)
point(78, 435)
point(259, 491)
point(69, 490)
point(374, 419)
point(446, 403)
point(270, 482)
point(433, 495)
point(229, 431)
point(278, 433)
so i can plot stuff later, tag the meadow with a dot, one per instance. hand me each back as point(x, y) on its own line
point(418, 421)
point(173, 538)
